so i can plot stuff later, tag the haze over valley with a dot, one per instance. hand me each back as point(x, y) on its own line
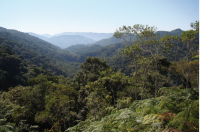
point(66, 39)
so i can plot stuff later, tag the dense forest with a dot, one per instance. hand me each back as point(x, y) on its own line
point(140, 79)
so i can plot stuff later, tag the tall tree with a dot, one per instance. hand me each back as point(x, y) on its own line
point(188, 38)
point(134, 52)
point(90, 70)
point(149, 40)
point(128, 34)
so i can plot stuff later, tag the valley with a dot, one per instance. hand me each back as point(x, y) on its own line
point(135, 79)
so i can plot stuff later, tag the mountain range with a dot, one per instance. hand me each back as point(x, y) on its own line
point(67, 39)
point(66, 62)
point(91, 35)
point(38, 50)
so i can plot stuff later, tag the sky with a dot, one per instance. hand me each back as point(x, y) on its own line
point(100, 16)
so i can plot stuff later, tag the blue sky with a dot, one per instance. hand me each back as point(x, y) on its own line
point(102, 16)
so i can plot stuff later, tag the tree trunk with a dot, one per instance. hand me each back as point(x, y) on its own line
point(113, 96)
point(156, 83)
point(143, 83)
point(187, 73)
point(198, 78)
point(135, 81)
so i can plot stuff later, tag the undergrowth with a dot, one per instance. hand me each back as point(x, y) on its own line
point(173, 109)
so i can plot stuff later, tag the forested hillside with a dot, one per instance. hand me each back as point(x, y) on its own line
point(114, 58)
point(15, 70)
point(38, 52)
point(81, 48)
point(148, 82)
point(66, 62)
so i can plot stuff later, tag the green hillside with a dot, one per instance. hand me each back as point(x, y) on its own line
point(15, 70)
point(109, 41)
point(114, 40)
point(150, 84)
point(81, 48)
point(38, 52)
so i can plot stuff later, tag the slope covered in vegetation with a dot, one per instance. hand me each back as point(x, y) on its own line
point(174, 109)
point(39, 52)
point(160, 94)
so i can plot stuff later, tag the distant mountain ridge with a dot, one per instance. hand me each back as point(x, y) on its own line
point(39, 36)
point(47, 35)
point(65, 41)
point(177, 31)
point(88, 38)
point(109, 41)
point(91, 35)
point(113, 40)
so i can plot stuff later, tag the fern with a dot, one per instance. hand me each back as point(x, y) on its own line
point(173, 110)
point(188, 116)
point(124, 102)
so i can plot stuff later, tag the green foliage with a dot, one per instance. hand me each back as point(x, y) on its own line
point(44, 103)
point(195, 25)
point(58, 105)
point(188, 119)
point(90, 70)
point(12, 127)
point(182, 70)
point(100, 98)
point(37, 51)
point(124, 102)
point(13, 69)
point(42, 78)
point(81, 48)
point(97, 101)
point(117, 121)
point(154, 114)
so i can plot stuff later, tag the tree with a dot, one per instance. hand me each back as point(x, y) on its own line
point(171, 46)
point(188, 38)
point(195, 26)
point(133, 51)
point(114, 82)
point(189, 43)
point(147, 41)
point(59, 106)
point(13, 69)
point(98, 98)
point(128, 34)
point(90, 70)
